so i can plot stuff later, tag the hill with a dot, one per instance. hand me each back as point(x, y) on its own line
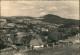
point(59, 20)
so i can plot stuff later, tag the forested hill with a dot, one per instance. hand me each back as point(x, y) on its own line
point(59, 20)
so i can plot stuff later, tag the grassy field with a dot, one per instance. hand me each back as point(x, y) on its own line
point(72, 50)
point(57, 51)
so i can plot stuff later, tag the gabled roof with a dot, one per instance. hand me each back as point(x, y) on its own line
point(36, 42)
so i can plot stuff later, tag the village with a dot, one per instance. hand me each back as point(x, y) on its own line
point(32, 35)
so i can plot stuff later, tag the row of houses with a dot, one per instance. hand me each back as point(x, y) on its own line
point(26, 21)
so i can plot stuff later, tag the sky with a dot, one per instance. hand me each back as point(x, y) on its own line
point(65, 9)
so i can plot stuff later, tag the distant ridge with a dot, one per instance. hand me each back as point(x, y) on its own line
point(59, 20)
point(50, 18)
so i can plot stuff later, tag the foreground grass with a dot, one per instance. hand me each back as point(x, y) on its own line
point(73, 50)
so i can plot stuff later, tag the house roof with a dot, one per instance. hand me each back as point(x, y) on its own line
point(36, 42)
point(10, 24)
point(3, 20)
point(21, 34)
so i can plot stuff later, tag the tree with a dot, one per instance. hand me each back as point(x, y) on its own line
point(53, 36)
point(26, 39)
point(14, 37)
point(3, 41)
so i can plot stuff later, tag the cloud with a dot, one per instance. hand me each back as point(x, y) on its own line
point(75, 16)
point(52, 8)
point(43, 13)
point(25, 2)
point(5, 8)
point(41, 9)
point(65, 12)
point(62, 7)
point(42, 5)
point(27, 7)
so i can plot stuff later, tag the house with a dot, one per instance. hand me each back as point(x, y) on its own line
point(44, 29)
point(19, 21)
point(11, 24)
point(3, 24)
point(2, 20)
point(19, 26)
point(36, 43)
point(65, 42)
point(8, 35)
